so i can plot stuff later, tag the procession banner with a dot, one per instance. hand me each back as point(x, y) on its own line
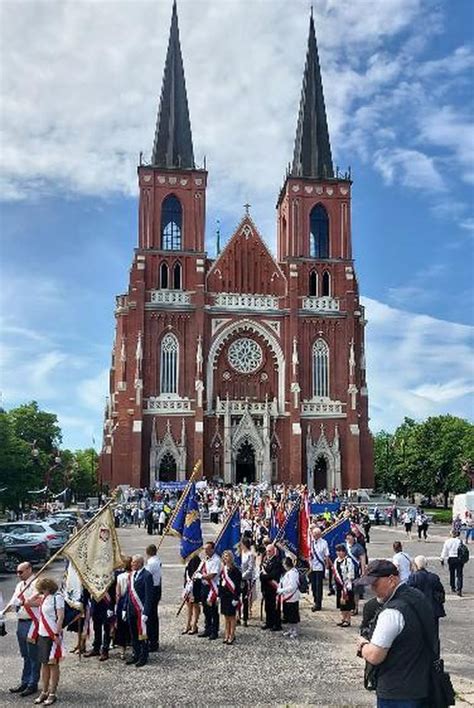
point(229, 537)
point(320, 508)
point(95, 553)
point(336, 534)
point(288, 535)
point(187, 525)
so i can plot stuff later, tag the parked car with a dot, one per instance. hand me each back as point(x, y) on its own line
point(63, 523)
point(22, 548)
point(382, 515)
point(41, 531)
point(3, 553)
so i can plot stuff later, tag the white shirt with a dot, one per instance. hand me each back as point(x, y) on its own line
point(153, 565)
point(50, 607)
point(403, 563)
point(29, 593)
point(122, 583)
point(390, 624)
point(450, 548)
point(213, 566)
point(319, 548)
point(289, 585)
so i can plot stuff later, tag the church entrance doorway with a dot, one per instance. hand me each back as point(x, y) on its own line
point(320, 474)
point(245, 464)
point(167, 471)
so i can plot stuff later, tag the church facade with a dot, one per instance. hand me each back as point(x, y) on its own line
point(254, 364)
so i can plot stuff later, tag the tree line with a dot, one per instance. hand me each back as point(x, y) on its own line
point(31, 458)
point(434, 457)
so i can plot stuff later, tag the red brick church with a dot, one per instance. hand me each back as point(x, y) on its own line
point(253, 363)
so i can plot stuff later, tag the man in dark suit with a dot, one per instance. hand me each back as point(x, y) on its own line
point(102, 612)
point(138, 609)
point(431, 587)
point(270, 574)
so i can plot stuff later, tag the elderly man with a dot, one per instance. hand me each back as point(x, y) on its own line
point(403, 643)
point(25, 600)
point(431, 587)
point(138, 609)
point(209, 572)
point(319, 562)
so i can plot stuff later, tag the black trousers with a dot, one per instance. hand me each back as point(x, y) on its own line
point(140, 646)
point(456, 569)
point(246, 589)
point(272, 612)
point(153, 624)
point(211, 618)
point(101, 634)
point(423, 529)
point(317, 577)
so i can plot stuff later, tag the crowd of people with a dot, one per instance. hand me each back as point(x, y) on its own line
point(218, 591)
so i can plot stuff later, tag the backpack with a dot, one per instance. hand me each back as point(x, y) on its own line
point(463, 553)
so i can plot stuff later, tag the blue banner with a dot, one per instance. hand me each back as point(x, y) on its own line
point(288, 536)
point(187, 524)
point(332, 507)
point(170, 486)
point(336, 534)
point(274, 528)
point(229, 537)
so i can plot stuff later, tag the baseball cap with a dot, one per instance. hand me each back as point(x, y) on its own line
point(377, 569)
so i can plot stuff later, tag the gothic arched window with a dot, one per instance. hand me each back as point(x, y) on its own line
point(320, 369)
point(326, 284)
point(171, 224)
point(177, 276)
point(169, 361)
point(164, 276)
point(313, 283)
point(319, 232)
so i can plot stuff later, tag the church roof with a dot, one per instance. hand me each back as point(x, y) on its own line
point(246, 265)
point(312, 153)
point(173, 145)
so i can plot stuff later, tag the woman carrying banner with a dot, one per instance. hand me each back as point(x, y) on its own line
point(50, 641)
point(229, 593)
point(344, 575)
point(191, 595)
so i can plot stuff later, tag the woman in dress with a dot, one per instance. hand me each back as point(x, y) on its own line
point(289, 595)
point(229, 593)
point(191, 595)
point(122, 631)
point(50, 638)
point(344, 574)
point(248, 577)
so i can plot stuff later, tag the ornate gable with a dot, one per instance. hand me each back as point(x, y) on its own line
point(246, 265)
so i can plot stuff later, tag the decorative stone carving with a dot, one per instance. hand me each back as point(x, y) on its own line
point(170, 297)
point(245, 355)
point(330, 452)
point(322, 407)
point(167, 445)
point(321, 304)
point(158, 404)
point(236, 301)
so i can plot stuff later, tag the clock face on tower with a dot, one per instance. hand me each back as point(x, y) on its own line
point(245, 355)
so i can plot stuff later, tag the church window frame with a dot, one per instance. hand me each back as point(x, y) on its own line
point(177, 276)
point(171, 223)
point(164, 276)
point(319, 232)
point(320, 359)
point(326, 284)
point(169, 365)
point(313, 284)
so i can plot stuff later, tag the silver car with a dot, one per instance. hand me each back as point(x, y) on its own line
point(40, 531)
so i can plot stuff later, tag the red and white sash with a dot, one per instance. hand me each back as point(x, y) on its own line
point(138, 605)
point(33, 613)
point(230, 585)
point(339, 580)
point(57, 648)
point(213, 589)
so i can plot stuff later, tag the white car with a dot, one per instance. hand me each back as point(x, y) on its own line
point(40, 531)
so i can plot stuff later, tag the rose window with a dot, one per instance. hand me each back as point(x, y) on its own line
point(245, 355)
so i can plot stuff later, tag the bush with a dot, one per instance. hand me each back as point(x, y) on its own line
point(441, 516)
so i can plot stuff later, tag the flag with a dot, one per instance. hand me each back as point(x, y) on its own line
point(336, 534)
point(304, 543)
point(95, 553)
point(274, 526)
point(288, 535)
point(229, 537)
point(187, 524)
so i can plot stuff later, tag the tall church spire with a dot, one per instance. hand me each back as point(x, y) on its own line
point(173, 145)
point(312, 155)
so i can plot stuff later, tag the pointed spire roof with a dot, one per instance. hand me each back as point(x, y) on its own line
point(173, 145)
point(312, 155)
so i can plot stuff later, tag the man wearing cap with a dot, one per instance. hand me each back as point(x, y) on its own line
point(403, 642)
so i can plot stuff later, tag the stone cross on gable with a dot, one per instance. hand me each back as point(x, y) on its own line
point(247, 209)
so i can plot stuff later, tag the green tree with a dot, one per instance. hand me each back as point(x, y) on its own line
point(18, 471)
point(84, 473)
point(36, 427)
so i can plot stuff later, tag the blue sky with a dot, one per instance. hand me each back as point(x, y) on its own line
point(79, 95)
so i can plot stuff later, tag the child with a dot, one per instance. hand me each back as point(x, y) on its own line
point(289, 595)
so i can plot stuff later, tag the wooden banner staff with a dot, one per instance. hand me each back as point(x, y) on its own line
point(178, 506)
point(61, 550)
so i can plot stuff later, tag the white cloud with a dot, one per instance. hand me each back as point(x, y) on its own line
point(92, 391)
point(416, 366)
point(410, 167)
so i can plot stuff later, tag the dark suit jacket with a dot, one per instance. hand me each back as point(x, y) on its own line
point(431, 587)
point(143, 586)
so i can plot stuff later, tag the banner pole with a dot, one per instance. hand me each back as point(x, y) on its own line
point(178, 506)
